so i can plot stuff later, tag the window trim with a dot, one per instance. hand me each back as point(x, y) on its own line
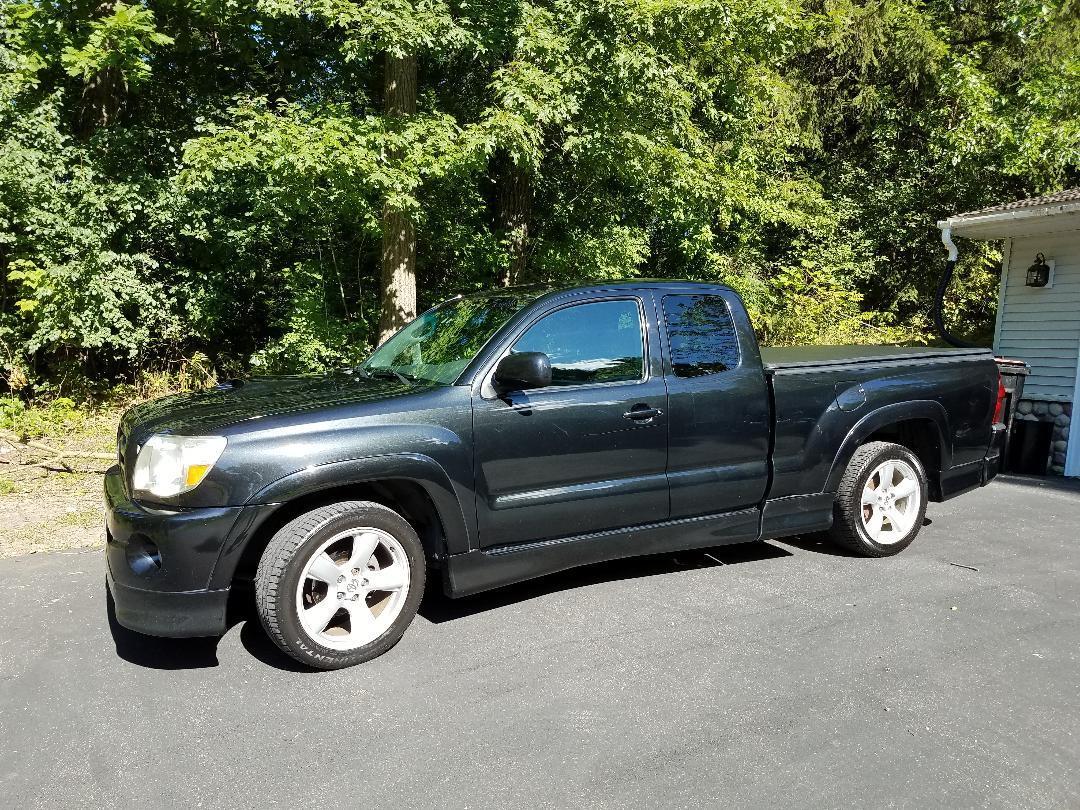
point(488, 391)
point(669, 360)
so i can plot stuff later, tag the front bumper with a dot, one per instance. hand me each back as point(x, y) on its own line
point(164, 613)
point(160, 564)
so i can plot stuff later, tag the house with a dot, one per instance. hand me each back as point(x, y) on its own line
point(1038, 318)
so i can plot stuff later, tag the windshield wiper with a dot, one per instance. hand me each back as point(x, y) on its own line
point(389, 374)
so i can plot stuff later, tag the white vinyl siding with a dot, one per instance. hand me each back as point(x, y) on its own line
point(1042, 325)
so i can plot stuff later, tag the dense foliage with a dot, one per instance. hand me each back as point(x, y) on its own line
point(182, 176)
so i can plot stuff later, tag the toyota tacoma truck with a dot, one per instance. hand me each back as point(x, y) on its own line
point(515, 433)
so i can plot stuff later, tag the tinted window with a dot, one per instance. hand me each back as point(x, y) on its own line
point(590, 343)
point(701, 334)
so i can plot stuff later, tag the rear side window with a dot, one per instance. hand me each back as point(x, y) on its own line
point(701, 335)
point(599, 342)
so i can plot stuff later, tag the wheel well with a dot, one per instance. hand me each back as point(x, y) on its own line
point(920, 436)
point(405, 497)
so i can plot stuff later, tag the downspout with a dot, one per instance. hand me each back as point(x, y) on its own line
point(943, 286)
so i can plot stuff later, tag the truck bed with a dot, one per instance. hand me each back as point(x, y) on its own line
point(941, 398)
point(798, 357)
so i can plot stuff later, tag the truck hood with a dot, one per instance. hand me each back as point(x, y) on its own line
point(205, 412)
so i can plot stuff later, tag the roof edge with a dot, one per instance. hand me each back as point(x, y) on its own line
point(966, 221)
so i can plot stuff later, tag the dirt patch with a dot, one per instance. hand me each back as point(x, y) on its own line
point(53, 509)
point(52, 512)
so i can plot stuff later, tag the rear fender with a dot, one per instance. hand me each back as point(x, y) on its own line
point(885, 417)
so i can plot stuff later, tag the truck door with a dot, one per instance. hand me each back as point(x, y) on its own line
point(718, 406)
point(589, 452)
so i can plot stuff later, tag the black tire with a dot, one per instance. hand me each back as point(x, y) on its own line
point(848, 530)
point(283, 563)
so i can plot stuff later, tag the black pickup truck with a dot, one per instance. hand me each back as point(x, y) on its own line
point(511, 434)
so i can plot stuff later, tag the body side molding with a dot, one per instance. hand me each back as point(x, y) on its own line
point(481, 570)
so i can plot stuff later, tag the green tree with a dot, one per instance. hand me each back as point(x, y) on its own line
point(280, 184)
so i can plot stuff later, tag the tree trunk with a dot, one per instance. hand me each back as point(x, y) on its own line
point(103, 94)
point(397, 296)
point(513, 206)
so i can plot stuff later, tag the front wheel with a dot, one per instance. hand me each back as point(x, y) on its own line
point(339, 585)
point(881, 502)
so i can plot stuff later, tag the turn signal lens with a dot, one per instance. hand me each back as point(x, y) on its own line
point(195, 474)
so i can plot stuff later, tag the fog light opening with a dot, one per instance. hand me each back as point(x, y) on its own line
point(143, 556)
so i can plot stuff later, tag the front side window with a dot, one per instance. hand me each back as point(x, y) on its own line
point(601, 342)
point(701, 335)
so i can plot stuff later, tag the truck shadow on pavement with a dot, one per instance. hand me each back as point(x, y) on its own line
point(159, 653)
point(200, 653)
point(438, 608)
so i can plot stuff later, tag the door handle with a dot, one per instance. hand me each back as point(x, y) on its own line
point(642, 413)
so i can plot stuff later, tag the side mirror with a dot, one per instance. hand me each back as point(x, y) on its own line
point(518, 372)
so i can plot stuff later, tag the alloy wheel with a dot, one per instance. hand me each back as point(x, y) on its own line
point(352, 588)
point(890, 502)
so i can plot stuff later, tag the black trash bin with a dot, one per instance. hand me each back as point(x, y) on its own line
point(1029, 447)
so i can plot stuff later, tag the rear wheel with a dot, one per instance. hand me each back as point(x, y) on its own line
point(881, 502)
point(340, 584)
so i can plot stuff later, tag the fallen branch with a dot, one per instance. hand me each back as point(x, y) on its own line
point(56, 458)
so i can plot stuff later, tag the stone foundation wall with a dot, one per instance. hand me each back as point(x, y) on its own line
point(1060, 413)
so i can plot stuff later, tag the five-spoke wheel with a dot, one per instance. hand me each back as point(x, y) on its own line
point(340, 584)
point(881, 502)
point(353, 587)
point(890, 501)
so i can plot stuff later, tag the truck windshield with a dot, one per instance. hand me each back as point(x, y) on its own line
point(436, 347)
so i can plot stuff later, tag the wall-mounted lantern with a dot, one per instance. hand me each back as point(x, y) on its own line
point(1038, 275)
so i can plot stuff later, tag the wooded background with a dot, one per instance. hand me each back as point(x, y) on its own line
point(272, 185)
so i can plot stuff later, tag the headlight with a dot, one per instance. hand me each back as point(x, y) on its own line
point(169, 465)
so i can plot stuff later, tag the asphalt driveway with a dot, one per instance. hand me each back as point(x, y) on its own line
point(763, 675)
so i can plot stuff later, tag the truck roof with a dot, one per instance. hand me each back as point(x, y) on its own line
point(629, 284)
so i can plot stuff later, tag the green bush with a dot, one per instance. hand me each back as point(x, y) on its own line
point(58, 417)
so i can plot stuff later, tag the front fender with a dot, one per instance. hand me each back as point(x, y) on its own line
point(883, 417)
point(413, 467)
